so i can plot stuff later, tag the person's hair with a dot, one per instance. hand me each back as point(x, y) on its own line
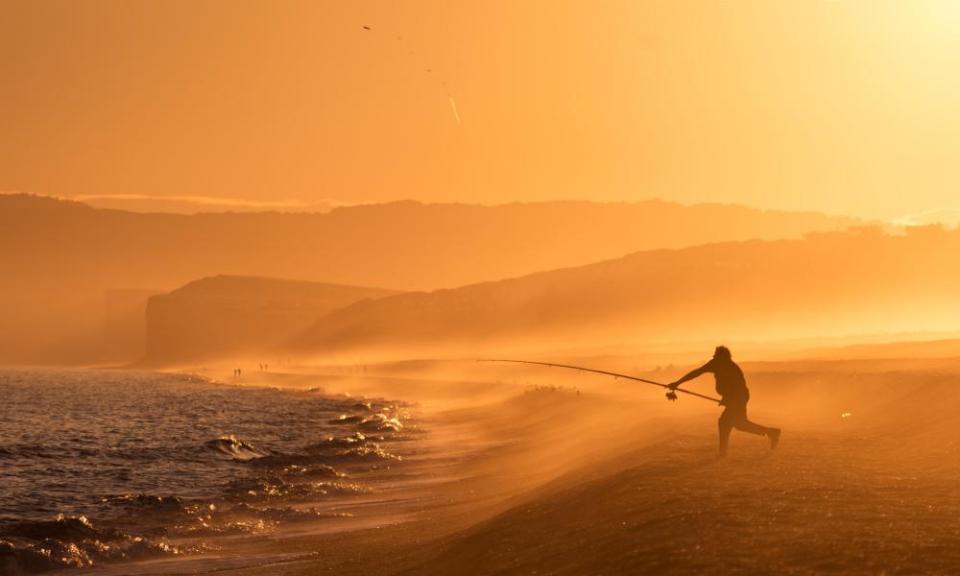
point(722, 352)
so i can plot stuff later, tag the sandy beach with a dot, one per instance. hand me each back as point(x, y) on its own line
point(564, 473)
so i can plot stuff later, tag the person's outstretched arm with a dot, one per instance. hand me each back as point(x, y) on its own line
point(708, 367)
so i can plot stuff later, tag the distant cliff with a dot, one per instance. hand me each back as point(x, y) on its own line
point(831, 284)
point(60, 258)
point(231, 315)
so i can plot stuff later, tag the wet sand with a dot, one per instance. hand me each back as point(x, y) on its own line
point(601, 477)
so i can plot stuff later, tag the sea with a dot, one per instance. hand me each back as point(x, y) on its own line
point(110, 466)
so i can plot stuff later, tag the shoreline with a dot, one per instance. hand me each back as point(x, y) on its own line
point(474, 470)
point(858, 486)
point(544, 468)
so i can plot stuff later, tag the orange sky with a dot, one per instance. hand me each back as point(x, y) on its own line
point(848, 107)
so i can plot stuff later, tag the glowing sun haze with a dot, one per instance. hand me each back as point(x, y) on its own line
point(845, 107)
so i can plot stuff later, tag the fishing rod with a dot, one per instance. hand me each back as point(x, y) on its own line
point(670, 395)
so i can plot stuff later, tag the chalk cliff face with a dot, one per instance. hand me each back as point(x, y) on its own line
point(232, 315)
point(835, 284)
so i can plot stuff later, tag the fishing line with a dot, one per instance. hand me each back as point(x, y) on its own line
point(670, 395)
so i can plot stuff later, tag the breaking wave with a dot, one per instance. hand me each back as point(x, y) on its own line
point(160, 458)
point(234, 448)
point(70, 542)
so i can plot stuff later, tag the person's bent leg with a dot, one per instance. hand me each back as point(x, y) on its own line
point(744, 424)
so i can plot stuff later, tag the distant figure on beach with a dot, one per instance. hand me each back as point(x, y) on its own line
point(734, 395)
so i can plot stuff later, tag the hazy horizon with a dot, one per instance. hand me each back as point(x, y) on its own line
point(190, 205)
point(799, 106)
point(196, 205)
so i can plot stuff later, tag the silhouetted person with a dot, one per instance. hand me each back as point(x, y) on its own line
point(734, 395)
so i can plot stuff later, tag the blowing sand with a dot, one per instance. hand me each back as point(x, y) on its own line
point(562, 473)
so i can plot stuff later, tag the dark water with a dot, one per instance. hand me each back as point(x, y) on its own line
point(102, 466)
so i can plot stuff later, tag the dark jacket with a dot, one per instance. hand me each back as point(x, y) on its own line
point(731, 385)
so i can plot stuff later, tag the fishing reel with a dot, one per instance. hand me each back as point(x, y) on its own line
point(671, 396)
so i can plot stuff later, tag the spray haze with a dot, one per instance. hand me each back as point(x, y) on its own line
point(479, 288)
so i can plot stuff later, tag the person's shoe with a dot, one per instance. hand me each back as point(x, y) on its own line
point(774, 436)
